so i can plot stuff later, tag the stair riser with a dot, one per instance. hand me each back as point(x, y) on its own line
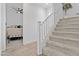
point(77, 25)
point(64, 23)
point(77, 20)
point(69, 19)
point(63, 32)
point(75, 36)
point(68, 26)
point(68, 30)
point(72, 28)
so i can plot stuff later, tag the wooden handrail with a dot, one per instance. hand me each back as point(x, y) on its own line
point(46, 18)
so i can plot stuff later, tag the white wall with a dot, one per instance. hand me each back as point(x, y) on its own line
point(13, 18)
point(58, 12)
point(74, 11)
point(32, 13)
point(49, 8)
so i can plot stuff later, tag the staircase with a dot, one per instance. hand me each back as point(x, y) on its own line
point(64, 40)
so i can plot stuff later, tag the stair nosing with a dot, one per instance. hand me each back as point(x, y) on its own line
point(66, 24)
point(66, 32)
point(69, 20)
point(65, 28)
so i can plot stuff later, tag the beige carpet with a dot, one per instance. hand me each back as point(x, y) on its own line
point(26, 50)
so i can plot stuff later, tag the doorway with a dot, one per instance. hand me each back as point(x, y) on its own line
point(14, 25)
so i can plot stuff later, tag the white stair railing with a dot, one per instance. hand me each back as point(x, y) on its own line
point(44, 28)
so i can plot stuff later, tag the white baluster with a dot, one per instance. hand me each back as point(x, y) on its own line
point(43, 31)
point(46, 27)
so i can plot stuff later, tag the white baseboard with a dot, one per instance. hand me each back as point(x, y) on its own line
point(28, 42)
point(0, 52)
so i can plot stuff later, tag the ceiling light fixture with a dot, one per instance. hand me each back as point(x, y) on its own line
point(18, 10)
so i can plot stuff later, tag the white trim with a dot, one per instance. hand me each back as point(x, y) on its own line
point(28, 42)
point(3, 27)
point(0, 28)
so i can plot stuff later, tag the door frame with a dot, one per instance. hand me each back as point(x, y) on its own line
point(6, 25)
point(3, 26)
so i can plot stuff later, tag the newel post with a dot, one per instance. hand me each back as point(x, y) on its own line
point(39, 41)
